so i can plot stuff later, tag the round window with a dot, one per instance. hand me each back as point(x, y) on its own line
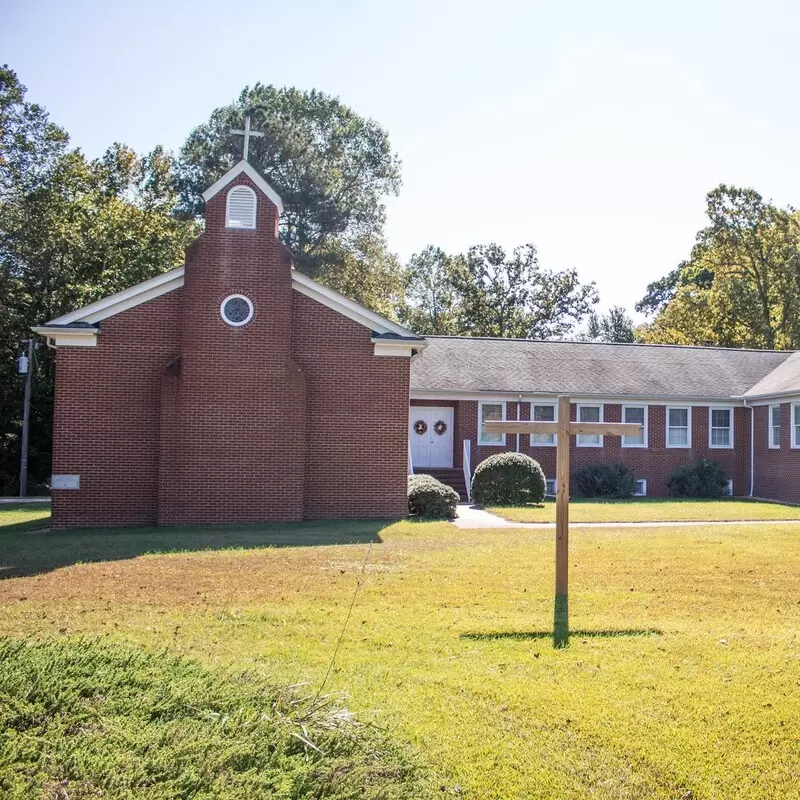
point(236, 310)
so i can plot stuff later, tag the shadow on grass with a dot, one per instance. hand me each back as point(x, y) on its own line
point(32, 552)
point(596, 634)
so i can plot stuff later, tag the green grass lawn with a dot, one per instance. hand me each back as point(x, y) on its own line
point(681, 680)
point(24, 516)
point(656, 509)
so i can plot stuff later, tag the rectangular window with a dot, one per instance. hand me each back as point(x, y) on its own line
point(544, 412)
point(679, 426)
point(590, 414)
point(550, 487)
point(638, 416)
point(487, 412)
point(795, 424)
point(641, 488)
point(720, 427)
point(774, 427)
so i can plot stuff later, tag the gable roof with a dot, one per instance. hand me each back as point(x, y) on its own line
point(252, 173)
point(84, 320)
point(784, 379)
point(523, 366)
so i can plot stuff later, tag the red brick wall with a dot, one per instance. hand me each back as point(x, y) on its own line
point(176, 417)
point(357, 417)
point(653, 463)
point(777, 472)
point(106, 421)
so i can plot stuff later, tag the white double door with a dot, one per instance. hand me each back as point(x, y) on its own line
point(430, 434)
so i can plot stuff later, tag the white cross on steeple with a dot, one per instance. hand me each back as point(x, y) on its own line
point(247, 133)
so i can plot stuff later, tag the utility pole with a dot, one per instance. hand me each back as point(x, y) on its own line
point(25, 366)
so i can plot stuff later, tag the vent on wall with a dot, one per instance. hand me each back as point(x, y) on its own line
point(241, 208)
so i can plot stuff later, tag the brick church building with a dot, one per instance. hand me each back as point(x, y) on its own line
point(236, 389)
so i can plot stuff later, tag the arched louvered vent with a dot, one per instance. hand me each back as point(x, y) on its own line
point(241, 209)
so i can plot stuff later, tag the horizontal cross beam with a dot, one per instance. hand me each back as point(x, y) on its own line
point(571, 428)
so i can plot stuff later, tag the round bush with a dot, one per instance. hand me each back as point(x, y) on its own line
point(604, 480)
point(508, 479)
point(431, 499)
point(703, 478)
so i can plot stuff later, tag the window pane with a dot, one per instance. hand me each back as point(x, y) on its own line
point(678, 437)
point(589, 414)
point(720, 418)
point(635, 415)
point(720, 437)
point(775, 437)
point(544, 414)
point(775, 416)
point(679, 417)
point(490, 411)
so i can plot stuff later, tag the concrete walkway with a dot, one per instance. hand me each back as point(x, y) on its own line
point(470, 516)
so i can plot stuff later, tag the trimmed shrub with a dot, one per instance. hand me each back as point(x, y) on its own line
point(604, 480)
point(431, 499)
point(703, 478)
point(508, 479)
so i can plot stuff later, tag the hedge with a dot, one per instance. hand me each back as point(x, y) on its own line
point(508, 479)
point(431, 499)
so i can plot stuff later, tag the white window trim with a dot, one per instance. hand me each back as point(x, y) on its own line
point(646, 425)
point(688, 445)
point(554, 443)
point(770, 426)
point(233, 189)
point(481, 404)
point(795, 445)
point(728, 446)
point(578, 442)
point(236, 297)
point(548, 483)
point(643, 481)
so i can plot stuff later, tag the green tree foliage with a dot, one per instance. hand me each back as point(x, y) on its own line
point(432, 301)
point(741, 285)
point(331, 167)
point(512, 296)
point(71, 231)
point(615, 326)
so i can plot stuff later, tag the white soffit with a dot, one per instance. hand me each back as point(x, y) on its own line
point(246, 168)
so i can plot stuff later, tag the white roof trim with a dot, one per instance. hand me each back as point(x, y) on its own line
point(122, 301)
point(246, 168)
point(339, 303)
point(169, 281)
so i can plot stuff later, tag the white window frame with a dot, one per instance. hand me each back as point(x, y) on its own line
point(795, 444)
point(771, 426)
point(548, 483)
point(578, 442)
point(688, 444)
point(481, 404)
point(554, 406)
point(236, 297)
point(644, 432)
point(728, 446)
point(231, 191)
point(643, 482)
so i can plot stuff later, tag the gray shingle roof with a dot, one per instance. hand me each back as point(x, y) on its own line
point(464, 364)
point(784, 378)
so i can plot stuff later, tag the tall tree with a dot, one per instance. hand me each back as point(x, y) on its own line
point(741, 285)
point(615, 326)
point(71, 231)
point(331, 167)
point(433, 303)
point(512, 296)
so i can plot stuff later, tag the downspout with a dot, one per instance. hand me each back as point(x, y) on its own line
point(752, 449)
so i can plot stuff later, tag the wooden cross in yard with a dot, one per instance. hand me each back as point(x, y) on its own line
point(563, 429)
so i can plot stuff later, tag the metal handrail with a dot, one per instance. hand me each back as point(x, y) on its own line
point(467, 467)
point(410, 460)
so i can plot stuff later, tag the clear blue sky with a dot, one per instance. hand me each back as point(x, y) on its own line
point(593, 129)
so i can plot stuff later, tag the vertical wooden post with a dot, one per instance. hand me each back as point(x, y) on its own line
point(561, 612)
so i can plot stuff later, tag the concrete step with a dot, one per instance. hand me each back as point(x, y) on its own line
point(454, 478)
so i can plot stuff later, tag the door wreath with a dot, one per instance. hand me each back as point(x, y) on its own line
point(420, 427)
point(440, 427)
